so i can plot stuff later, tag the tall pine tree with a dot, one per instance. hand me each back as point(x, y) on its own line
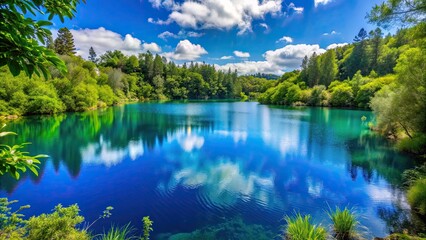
point(92, 55)
point(64, 43)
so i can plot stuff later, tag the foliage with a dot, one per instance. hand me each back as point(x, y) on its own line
point(398, 11)
point(147, 227)
point(13, 161)
point(11, 223)
point(301, 228)
point(61, 224)
point(344, 223)
point(20, 35)
point(416, 196)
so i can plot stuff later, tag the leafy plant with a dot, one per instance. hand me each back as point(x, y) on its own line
point(11, 222)
point(344, 223)
point(12, 160)
point(147, 227)
point(20, 35)
point(301, 228)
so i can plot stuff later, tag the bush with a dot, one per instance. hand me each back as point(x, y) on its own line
point(45, 105)
point(416, 196)
point(59, 225)
point(416, 145)
point(341, 95)
point(301, 228)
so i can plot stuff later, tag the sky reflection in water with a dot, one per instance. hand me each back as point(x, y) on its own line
point(196, 164)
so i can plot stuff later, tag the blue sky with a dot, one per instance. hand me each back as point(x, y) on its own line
point(270, 36)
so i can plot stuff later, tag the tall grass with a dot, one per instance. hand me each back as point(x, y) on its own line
point(301, 228)
point(345, 223)
point(118, 233)
point(416, 196)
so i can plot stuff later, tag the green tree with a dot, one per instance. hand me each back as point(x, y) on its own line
point(64, 43)
point(21, 35)
point(398, 11)
point(329, 67)
point(314, 71)
point(92, 55)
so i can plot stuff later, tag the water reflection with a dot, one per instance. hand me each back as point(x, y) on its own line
point(213, 160)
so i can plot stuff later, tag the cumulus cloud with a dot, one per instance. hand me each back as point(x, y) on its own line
point(242, 54)
point(290, 56)
point(276, 61)
point(226, 57)
point(185, 50)
point(336, 45)
point(103, 40)
point(213, 14)
point(321, 2)
point(152, 47)
point(285, 39)
point(180, 35)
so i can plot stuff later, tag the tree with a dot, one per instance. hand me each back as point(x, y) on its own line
point(375, 42)
point(362, 35)
point(398, 11)
point(64, 43)
point(92, 55)
point(313, 70)
point(328, 67)
point(20, 35)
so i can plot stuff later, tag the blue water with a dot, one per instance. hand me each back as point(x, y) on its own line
point(193, 165)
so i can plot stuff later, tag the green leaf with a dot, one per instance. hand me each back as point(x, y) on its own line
point(14, 68)
point(2, 134)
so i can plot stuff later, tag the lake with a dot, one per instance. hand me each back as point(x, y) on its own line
point(211, 167)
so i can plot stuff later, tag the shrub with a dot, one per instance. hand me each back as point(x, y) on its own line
point(301, 228)
point(59, 225)
point(416, 196)
point(344, 223)
point(45, 105)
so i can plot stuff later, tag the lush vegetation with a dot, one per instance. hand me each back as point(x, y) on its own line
point(62, 223)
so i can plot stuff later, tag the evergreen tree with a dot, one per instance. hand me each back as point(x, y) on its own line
point(313, 70)
point(375, 42)
point(92, 55)
point(328, 67)
point(64, 43)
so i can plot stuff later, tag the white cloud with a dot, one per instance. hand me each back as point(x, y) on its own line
point(242, 54)
point(226, 57)
point(276, 61)
point(152, 47)
point(296, 10)
point(321, 2)
point(290, 56)
point(336, 45)
point(285, 39)
point(264, 25)
point(180, 35)
point(331, 33)
point(103, 40)
point(185, 50)
point(213, 14)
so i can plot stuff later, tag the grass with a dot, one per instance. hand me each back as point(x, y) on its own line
point(301, 228)
point(118, 233)
point(345, 223)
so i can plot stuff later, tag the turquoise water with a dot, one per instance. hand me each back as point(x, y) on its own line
point(205, 166)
